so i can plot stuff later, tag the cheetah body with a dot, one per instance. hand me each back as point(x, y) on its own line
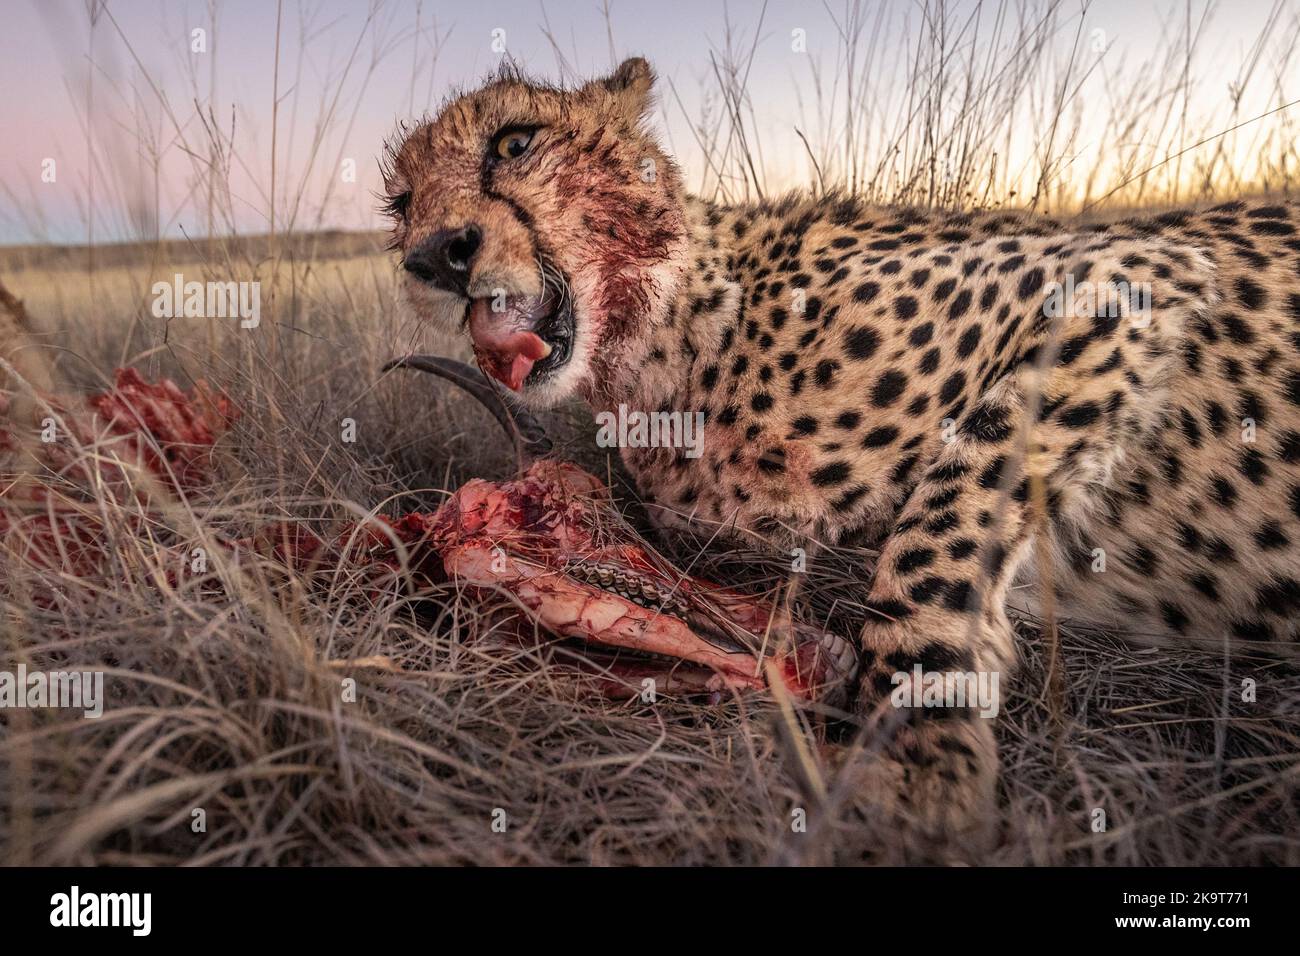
point(978, 394)
point(822, 419)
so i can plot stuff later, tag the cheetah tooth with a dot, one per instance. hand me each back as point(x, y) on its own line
point(840, 650)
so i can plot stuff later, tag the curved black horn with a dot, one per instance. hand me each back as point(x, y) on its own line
point(526, 431)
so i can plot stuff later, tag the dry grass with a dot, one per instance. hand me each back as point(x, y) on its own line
point(225, 693)
point(1050, 106)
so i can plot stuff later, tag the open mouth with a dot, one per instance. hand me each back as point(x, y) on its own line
point(523, 340)
point(711, 648)
point(616, 618)
point(556, 331)
point(619, 620)
point(635, 626)
point(551, 540)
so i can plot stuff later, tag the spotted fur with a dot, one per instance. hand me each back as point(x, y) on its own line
point(901, 376)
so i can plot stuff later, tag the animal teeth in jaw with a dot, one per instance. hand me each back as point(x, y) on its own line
point(628, 586)
point(840, 650)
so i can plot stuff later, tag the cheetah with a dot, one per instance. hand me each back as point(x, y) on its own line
point(1105, 417)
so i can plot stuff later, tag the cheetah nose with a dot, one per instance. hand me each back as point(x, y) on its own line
point(444, 259)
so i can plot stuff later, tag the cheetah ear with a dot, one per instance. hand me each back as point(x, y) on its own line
point(630, 85)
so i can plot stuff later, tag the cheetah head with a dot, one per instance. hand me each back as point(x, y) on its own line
point(544, 222)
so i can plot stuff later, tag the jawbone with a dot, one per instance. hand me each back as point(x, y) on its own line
point(553, 540)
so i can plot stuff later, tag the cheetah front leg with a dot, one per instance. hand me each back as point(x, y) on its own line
point(939, 595)
point(1035, 449)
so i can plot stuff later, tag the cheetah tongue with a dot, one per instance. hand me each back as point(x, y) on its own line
point(504, 343)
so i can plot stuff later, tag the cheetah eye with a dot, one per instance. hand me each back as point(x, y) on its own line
point(512, 142)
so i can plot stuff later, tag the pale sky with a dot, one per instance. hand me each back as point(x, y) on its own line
point(367, 65)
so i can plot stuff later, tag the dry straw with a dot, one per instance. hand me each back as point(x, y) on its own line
point(233, 705)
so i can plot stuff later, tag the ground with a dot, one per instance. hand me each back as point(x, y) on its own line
point(234, 708)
